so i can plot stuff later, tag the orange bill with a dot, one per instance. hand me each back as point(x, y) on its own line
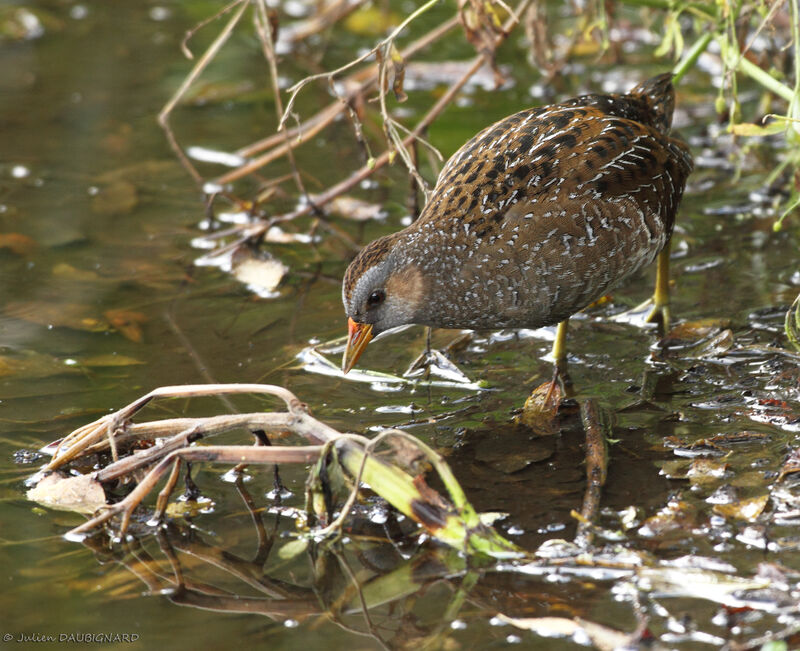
point(358, 336)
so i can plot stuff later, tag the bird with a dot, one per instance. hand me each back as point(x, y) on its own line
point(530, 221)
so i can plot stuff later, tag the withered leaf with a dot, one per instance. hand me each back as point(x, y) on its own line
point(541, 408)
point(482, 23)
point(82, 493)
point(398, 73)
point(747, 509)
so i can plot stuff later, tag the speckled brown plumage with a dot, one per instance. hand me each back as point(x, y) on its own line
point(533, 218)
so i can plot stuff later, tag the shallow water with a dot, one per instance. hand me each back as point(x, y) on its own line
point(101, 302)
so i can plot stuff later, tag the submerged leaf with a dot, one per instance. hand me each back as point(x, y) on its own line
point(81, 493)
point(508, 455)
point(17, 243)
point(51, 313)
point(117, 198)
point(30, 364)
point(189, 508)
point(293, 548)
point(111, 360)
point(64, 270)
point(128, 323)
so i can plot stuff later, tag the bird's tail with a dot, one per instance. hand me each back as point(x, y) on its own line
point(659, 95)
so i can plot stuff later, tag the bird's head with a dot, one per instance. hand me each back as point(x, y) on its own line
point(382, 290)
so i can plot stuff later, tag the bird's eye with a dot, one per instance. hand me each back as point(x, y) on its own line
point(376, 298)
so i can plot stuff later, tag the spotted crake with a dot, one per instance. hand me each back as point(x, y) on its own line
point(531, 220)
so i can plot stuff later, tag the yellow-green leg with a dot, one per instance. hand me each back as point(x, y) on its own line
point(559, 361)
point(560, 343)
point(661, 293)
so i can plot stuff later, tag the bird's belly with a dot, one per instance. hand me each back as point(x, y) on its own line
point(557, 270)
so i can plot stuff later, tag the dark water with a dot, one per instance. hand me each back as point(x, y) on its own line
point(100, 302)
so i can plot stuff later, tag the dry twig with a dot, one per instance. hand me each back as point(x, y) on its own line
point(456, 524)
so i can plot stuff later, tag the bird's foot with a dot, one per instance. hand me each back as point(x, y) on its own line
point(649, 311)
point(433, 363)
point(558, 387)
point(639, 315)
point(659, 314)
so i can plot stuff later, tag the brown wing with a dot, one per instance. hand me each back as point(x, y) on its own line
point(557, 154)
